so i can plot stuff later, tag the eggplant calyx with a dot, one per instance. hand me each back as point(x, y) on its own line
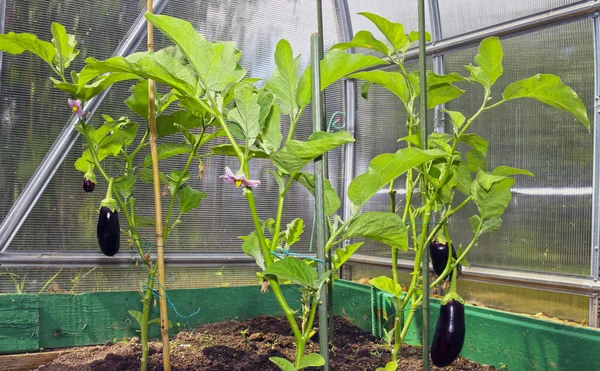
point(452, 295)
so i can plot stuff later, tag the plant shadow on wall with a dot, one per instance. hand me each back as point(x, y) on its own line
point(216, 99)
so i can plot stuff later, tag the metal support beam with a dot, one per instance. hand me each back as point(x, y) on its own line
point(2, 22)
point(525, 25)
point(439, 125)
point(64, 142)
point(540, 281)
point(595, 246)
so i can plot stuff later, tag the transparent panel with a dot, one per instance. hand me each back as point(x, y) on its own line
point(65, 217)
point(462, 16)
point(547, 226)
point(542, 304)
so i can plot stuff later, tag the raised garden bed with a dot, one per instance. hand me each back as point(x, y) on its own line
point(33, 322)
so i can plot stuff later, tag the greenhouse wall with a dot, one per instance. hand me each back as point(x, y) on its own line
point(551, 229)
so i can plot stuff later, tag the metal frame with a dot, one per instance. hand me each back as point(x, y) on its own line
point(439, 125)
point(595, 254)
point(2, 22)
point(64, 142)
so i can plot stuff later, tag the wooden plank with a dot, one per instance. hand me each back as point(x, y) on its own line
point(19, 323)
point(29, 361)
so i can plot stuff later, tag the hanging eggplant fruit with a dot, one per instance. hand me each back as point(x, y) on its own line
point(439, 258)
point(109, 231)
point(88, 185)
point(449, 334)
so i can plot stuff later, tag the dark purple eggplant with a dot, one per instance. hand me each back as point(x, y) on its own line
point(88, 185)
point(439, 257)
point(449, 334)
point(109, 231)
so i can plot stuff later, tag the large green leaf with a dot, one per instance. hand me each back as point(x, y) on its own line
point(227, 150)
point(311, 360)
point(88, 91)
point(251, 247)
point(296, 154)
point(246, 112)
point(335, 65)
point(332, 201)
point(393, 32)
point(387, 284)
point(342, 254)
point(385, 168)
point(284, 82)
point(476, 142)
point(189, 198)
point(457, 119)
point(270, 130)
point(167, 150)
point(549, 89)
point(13, 43)
point(167, 124)
point(489, 62)
point(293, 269)
point(364, 39)
point(507, 171)
point(386, 227)
point(392, 81)
point(283, 363)
point(161, 67)
point(215, 63)
point(64, 45)
point(293, 232)
point(491, 193)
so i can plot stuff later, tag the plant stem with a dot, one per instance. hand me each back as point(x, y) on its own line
point(147, 300)
point(392, 194)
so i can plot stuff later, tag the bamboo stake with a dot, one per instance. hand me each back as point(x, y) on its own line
point(160, 260)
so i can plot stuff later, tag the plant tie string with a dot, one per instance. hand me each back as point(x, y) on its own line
point(282, 253)
point(156, 293)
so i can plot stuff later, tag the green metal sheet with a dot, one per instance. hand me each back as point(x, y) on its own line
point(19, 320)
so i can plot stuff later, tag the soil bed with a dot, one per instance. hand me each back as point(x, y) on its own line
point(246, 346)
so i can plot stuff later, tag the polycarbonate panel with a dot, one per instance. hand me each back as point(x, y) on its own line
point(65, 217)
point(462, 16)
point(547, 226)
point(509, 298)
point(53, 280)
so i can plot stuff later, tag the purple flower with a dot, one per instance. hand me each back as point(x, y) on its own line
point(76, 108)
point(238, 180)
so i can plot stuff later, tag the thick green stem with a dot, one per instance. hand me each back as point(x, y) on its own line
point(311, 319)
point(392, 194)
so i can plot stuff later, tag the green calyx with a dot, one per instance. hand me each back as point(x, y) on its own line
point(109, 202)
point(89, 175)
point(452, 295)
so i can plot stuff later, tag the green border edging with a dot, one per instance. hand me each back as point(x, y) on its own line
point(31, 322)
point(506, 339)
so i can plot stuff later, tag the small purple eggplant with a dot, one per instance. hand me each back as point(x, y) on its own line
point(108, 231)
point(439, 257)
point(88, 185)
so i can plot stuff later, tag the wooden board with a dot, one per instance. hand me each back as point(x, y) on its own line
point(29, 361)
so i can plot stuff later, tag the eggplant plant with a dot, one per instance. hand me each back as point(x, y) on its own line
point(119, 140)
point(208, 81)
point(441, 179)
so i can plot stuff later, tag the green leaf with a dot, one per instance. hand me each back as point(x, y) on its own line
point(491, 194)
point(189, 198)
point(393, 81)
point(440, 89)
point(13, 43)
point(88, 91)
point(293, 232)
point(489, 225)
point(390, 366)
point(342, 254)
point(463, 178)
point(189, 137)
point(549, 89)
point(384, 168)
point(284, 82)
point(297, 154)
point(393, 32)
point(167, 150)
point(384, 227)
point(271, 130)
point(293, 269)
point(283, 363)
point(412, 139)
point(440, 140)
point(335, 65)
point(146, 176)
point(476, 142)
point(179, 176)
point(142, 221)
point(215, 63)
point(137, 315)
point(489, 62)
point(246, 112)
point(364, 89)
point(64, 45)
point(311, 360)
point(507, 171)
point(364, 39)
point(457, 119)
point(476, 161)
point(251, 247)
point(332, 201)
point(227, 150)
point(387, 284)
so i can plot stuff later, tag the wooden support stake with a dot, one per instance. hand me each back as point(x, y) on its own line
point(160, 259)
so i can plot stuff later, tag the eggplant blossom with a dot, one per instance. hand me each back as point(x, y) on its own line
point(239, 180)
point(75, 105)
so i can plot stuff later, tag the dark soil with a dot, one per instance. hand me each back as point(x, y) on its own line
point(247, 346)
